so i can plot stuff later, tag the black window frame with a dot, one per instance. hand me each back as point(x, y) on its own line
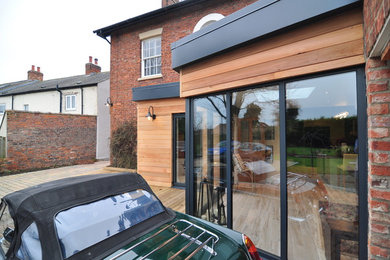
point(362, 162)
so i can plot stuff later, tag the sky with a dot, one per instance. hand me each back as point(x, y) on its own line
point(57, 36)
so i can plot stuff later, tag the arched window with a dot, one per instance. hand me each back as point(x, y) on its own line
point(207, 20)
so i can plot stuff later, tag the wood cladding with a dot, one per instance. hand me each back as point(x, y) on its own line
point(154, 148)
point(332, 43)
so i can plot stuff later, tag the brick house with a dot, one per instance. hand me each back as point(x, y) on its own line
point(83, 95)
point(303, 95)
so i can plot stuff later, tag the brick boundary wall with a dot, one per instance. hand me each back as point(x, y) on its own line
point(378, 101)
point(43, 140)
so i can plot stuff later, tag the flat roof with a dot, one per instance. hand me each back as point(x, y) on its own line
point(255, 21)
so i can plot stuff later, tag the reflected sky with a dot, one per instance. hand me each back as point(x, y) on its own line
point(323, 97)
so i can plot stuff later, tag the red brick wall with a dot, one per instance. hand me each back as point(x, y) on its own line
point(126, 52)
point(378, 100)
point(38, 140)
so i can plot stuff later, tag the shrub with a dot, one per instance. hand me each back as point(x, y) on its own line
point(124, 146)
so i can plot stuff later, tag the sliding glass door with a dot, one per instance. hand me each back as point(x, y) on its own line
point(256, 166)
point(210, 149)
point(322, 167)
point(284, 164)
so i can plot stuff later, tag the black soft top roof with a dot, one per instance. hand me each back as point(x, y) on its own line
point(42, 202)
point(65, 191)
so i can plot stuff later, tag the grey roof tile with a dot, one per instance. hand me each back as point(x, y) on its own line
point(29, 86)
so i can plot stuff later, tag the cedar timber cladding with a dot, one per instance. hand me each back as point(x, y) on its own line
point(332, 43)
point(154, 160)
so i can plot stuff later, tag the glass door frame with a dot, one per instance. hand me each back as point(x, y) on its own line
point(175, 117)
point(362, 162)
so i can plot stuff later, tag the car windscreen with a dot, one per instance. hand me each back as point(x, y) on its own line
point(85, 225)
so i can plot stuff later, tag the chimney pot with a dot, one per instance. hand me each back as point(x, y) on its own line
point(35, 75)
point(92, 67)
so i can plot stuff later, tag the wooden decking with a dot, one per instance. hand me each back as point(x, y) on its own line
point(171, 197)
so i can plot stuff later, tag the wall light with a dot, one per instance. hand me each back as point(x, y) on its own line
point(151, 115)
point(108, 102)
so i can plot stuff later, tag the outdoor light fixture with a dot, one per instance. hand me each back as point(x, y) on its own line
point(108, 102)
point(151, 116)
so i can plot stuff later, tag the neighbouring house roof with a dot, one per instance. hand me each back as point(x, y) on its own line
point(256, 21)
point(31, 86)
point(107, 31)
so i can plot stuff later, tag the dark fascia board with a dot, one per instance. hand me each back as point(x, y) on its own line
point(168, 90)
point(252, 22)
point(107, 31)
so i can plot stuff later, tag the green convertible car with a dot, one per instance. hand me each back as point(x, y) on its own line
point(108, 216)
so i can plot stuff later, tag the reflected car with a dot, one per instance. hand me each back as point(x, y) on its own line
point(109, 216)
point(250, 151)
point(220, 148)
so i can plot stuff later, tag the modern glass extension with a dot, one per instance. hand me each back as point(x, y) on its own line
point(284, 164)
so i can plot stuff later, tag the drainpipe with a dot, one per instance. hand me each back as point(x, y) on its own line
point(12, 103)
point(82, 101)
point(57, 88)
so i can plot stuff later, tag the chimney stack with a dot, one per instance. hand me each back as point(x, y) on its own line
point(168, 2)
point(92, 68)
point(35, 74)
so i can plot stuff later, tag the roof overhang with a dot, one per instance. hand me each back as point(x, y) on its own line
point(107, 31)
point(253, 22)
point(168, 90)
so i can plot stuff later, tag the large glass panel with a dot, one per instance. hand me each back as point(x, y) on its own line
point(256, 166)
point(179, 149)
point(321, 122)
point(210, 158)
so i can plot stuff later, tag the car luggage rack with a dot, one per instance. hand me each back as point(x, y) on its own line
point(206, 236)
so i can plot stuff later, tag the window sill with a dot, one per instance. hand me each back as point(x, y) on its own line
point(151, 77)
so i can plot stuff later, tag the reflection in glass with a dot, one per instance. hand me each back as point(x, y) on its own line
point(321, 122)
point(179, 151)
point(85, 225)
point(210, 158)
point(256, 163)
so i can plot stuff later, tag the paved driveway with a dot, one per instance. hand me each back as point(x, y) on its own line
point(20, 181)
point(170, 197)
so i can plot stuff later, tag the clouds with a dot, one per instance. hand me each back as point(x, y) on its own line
point(58, 35)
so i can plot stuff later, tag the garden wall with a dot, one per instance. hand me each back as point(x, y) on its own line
point(40, 140)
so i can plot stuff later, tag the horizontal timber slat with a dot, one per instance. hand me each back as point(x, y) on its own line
point(332, 43)
point(154, 150)
point(341, 63)
point(306, 45)
point(166, 110)
point(350, 18)
point(336, 52)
